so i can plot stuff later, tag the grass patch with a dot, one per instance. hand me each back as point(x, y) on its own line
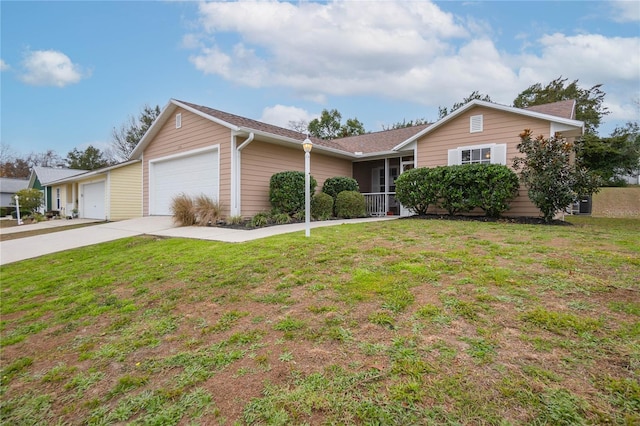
point(399, 322)
point(559, 322)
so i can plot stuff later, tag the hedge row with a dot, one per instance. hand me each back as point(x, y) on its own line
point(458, 189)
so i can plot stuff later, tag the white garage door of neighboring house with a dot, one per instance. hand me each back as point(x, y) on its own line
point(93, 201)
point(191, 174)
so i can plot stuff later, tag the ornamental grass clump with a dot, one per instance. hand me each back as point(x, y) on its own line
point(207, 210)
point(183, 210)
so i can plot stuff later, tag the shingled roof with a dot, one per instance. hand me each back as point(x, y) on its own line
point(47, 175)
point(563, 109)
point(383, 141)
point(367, 143)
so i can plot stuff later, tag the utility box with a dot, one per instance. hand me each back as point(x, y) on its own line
point(585, 205)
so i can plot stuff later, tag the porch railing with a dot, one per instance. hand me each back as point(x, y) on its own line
point(377, 203)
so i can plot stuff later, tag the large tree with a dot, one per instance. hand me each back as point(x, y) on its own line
point(89, 159)
point(475, 95)
point(589, 107)
point(614, 156)
point(329, 126)
point(127, 136)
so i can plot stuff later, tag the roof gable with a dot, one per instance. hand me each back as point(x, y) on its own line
point(568, 123)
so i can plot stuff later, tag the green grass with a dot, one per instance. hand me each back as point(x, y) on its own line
point(400, 322)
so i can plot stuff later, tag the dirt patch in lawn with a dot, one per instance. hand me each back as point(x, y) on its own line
point(617, 202)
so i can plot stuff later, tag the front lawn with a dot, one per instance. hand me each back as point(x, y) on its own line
point(400, 322)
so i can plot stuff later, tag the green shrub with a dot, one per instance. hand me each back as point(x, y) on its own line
point(286, 191)
point(281, 218)
point(335, 185)
point(456, 189)
point(417, 189)
point(322, 206)
point(261, 219)
point(234, 220)
point(30, 199)
point(183, 210)
point(494, 186)
point(6, 211)
point(206, 210)
point(350, 204)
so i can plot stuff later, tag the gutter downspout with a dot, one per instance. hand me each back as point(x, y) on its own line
point(237, 173)
point(246, 142)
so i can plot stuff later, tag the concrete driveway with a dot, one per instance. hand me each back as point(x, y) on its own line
point(31, 247)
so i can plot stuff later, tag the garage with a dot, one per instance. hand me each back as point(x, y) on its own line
point(191, 174)
point(93, 200)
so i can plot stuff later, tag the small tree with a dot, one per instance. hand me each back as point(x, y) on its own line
point(547, 170)
point(30, 199)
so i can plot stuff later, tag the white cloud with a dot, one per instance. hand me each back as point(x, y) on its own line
point(282, 115)
point(625, 11)
point(4, 66)
point(50, 68)
point(412, 51)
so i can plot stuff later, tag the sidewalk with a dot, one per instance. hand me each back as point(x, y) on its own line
point(31, 247)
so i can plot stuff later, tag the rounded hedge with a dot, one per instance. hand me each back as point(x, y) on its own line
point(286, 191)
point(322, 206)
point(335, 185)
point(350, 204)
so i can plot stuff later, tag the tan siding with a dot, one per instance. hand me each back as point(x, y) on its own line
point(196, 132)
point(125, 192)
point(260, 160)
point(499, 127)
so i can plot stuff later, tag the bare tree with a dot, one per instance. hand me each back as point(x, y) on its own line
point(127, 136)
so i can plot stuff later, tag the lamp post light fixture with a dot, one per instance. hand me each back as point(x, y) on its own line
point(18, 210)
point(307, 145)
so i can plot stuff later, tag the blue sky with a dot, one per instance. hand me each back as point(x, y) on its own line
point(72, 71)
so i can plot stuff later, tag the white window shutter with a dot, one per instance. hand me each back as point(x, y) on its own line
point(178, 120)
point(454, 157)
point(499, 154)
point(475, 124)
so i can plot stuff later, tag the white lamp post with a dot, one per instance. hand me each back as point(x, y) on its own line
point(18, 210)
point(307, 145)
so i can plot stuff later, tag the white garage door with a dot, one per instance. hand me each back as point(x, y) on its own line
point(93, 201)
point(191, 175)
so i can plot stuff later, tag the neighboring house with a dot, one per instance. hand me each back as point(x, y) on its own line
point(193, 149)
point(109, 193)
point(40, 179)
point(8, 189)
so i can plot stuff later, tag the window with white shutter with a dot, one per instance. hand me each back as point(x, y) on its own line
point(480, 154)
